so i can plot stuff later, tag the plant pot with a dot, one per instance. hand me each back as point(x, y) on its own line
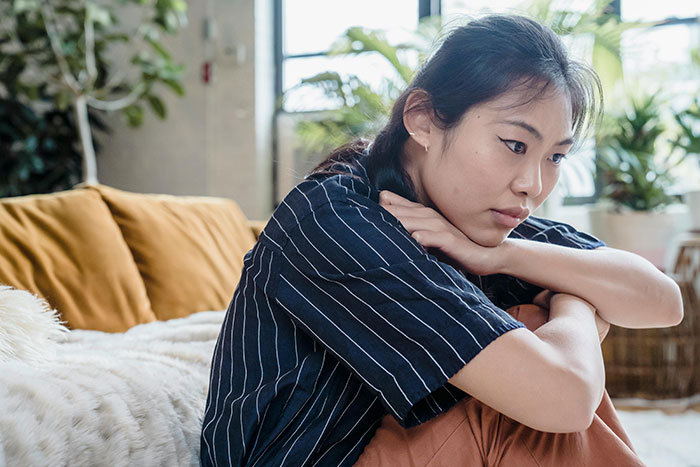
point(646, 233)
point(692, 200)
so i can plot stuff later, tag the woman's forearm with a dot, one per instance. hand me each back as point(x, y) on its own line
point(625, 289)
point(572, 334)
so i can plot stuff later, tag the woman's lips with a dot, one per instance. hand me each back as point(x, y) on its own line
point(506, 220)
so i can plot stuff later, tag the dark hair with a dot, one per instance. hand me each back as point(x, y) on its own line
point(476, 63)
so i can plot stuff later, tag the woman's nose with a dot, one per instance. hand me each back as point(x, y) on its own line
point(529, 181)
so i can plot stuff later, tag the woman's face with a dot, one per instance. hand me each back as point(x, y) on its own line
point(499, 158)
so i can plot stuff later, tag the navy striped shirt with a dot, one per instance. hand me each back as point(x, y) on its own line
point(341, 317)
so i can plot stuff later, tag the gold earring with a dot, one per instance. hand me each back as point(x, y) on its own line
point(426, 147)
point(411, 133)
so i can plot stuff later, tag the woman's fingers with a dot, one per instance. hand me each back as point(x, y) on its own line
point(433, 239)
point(413, 222)
point(400, 211)
point(391, 198)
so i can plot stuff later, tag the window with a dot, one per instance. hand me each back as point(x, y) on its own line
point(311, 26)
point(662, 54)
point(307, 28)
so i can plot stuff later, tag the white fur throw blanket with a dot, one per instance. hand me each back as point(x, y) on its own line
point(88, 398)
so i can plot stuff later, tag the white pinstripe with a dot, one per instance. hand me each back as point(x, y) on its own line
point(221, 359)
point(257, 314)
point(330, 203)
point(391, 375)
point(329, 418)
point(361, 300)
point(308, 412)
point(245, 372)
point(296, 385)
point(357, 422)
point(277, 380)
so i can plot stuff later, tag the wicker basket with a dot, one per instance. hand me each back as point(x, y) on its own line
point(658, 363)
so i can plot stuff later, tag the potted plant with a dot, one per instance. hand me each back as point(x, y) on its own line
point(64, 56)
point(689, 141)
point(39, 150)
point(637, 211)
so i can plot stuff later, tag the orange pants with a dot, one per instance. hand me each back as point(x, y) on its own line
point(474, 434)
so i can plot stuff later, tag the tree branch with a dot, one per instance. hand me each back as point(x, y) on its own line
point(49, 16)
point(118, 104)
point(113, 82)
point(90, 51)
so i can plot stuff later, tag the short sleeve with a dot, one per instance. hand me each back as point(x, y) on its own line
point(508, 291)
point(401, 321)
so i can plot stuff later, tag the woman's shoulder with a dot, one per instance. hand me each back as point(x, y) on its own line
point(324, 201)
point(341, 186)
point(342, 181)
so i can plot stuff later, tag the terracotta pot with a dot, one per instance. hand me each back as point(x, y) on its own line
point(648, 234)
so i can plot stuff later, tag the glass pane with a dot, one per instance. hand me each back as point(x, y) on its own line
point(371, 68)
point(313, 25)
point(652, 11)
point(456, 7)
point(577, 172)
point(661, 53)
point(580, 47)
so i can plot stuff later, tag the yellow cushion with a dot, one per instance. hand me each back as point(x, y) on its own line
point(66, 248)
point(188, 249)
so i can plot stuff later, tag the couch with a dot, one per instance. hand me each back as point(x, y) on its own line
point(140, 283)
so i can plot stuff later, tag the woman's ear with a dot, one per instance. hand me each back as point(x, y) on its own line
point(417, 117)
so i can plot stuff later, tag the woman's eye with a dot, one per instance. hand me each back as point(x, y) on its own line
point(517, 147)
point(557, 158)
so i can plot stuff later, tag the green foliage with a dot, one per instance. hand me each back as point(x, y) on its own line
point(363, 110)
point(54, 50)
point(635, 174)
point(688, 120)
point(26, 49)
point(39, 151)
point(689, 123)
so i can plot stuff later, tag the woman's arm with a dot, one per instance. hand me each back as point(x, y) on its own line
point(626, 289)
point(550, 380)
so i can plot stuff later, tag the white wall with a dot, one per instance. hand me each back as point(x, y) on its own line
point(217, 139)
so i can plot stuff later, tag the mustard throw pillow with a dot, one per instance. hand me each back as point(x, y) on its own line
point(66, 248)
point(189, 249)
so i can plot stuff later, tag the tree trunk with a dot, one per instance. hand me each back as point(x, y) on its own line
point(88, 150)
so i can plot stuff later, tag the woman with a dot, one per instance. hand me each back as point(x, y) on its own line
point(380, 283)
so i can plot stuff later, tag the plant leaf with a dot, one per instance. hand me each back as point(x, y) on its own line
point(157, 106)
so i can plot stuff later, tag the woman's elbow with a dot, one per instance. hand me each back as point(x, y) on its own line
point(673, 304)
point(576, 417)
point(583, 408)
point(574, 409)
point(582, 418)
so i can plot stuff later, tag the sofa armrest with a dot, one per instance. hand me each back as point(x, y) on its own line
point(257, 227)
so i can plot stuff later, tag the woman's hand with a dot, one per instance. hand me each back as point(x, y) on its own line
point(434, 232)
